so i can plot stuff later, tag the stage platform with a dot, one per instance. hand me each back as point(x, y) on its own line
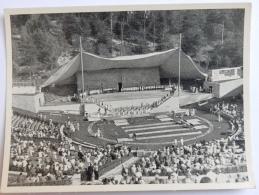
point(128, 99)
point(118, 96)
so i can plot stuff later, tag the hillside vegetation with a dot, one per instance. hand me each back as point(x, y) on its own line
point(42, 43)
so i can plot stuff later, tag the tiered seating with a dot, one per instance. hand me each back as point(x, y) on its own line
point(18, 121)
point(37, 126)
point(33, 125)
point(15, 120)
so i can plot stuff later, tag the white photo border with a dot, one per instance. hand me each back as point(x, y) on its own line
point(144, 187)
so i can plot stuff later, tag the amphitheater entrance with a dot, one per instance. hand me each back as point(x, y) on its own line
point(119, 86)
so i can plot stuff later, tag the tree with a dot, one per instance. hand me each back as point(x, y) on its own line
point(38, 40)
point(27, 53)
point(70, 26)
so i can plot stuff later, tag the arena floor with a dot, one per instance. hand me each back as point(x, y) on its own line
point(146, 129)
point(155, 129)
point(151, 132)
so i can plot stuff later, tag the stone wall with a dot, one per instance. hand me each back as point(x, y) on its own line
point(29, 102)
point(225, 89)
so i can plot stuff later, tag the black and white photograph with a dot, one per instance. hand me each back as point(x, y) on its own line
point(103, 99)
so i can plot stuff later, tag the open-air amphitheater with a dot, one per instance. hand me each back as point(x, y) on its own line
point(145, 134)
point(186, 144)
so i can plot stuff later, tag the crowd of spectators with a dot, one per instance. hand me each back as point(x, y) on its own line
point(33, 128)
point(46, 160)
point(187, 164)
point(221, 161)
point(234, 113)
point(39, 161)
point(232, 109)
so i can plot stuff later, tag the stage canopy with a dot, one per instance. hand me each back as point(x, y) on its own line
point(167, 61)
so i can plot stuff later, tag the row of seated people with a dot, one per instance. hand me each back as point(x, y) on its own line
point(181, 164)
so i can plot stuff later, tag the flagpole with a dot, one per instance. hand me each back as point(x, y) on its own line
point(82, 67)
point(222, 34)
point(111, 33)
point(179, 64)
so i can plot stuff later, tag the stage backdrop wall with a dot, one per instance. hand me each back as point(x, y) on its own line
point(111, 77)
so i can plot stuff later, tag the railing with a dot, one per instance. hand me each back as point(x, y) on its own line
point(144, 88)
point(24, 83)
point(128, 89)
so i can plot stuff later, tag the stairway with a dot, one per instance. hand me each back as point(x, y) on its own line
point(117, 170)
point(168, 106)
point(174, 102)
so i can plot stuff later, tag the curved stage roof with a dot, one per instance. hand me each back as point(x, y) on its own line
point(167, 61)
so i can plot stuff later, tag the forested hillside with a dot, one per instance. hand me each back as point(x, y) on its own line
point(41, 43)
